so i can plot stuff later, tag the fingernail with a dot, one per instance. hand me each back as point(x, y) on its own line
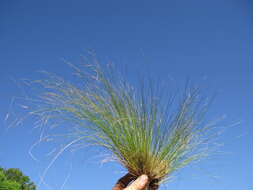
point(143, 179)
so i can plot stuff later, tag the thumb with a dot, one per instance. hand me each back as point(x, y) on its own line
point(139, 183)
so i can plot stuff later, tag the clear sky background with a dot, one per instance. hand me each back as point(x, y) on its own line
point(210, 42)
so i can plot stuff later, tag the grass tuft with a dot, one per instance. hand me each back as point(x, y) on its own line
point(146, 135)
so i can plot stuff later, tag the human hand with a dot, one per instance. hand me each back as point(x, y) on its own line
point(139, 184)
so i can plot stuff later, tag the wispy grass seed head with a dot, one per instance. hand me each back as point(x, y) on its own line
point(146, 135)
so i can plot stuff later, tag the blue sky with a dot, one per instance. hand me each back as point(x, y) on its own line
point(210, 42)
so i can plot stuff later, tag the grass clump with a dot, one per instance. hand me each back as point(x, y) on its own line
point(144, 133)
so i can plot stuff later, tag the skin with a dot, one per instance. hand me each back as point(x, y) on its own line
point(139, 184)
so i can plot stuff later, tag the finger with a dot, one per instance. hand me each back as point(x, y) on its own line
point(139, 183)
point(123, 182)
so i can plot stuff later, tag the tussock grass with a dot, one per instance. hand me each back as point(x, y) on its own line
point(145, 134)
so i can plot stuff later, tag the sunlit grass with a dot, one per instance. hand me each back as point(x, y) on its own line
point(144, 132)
